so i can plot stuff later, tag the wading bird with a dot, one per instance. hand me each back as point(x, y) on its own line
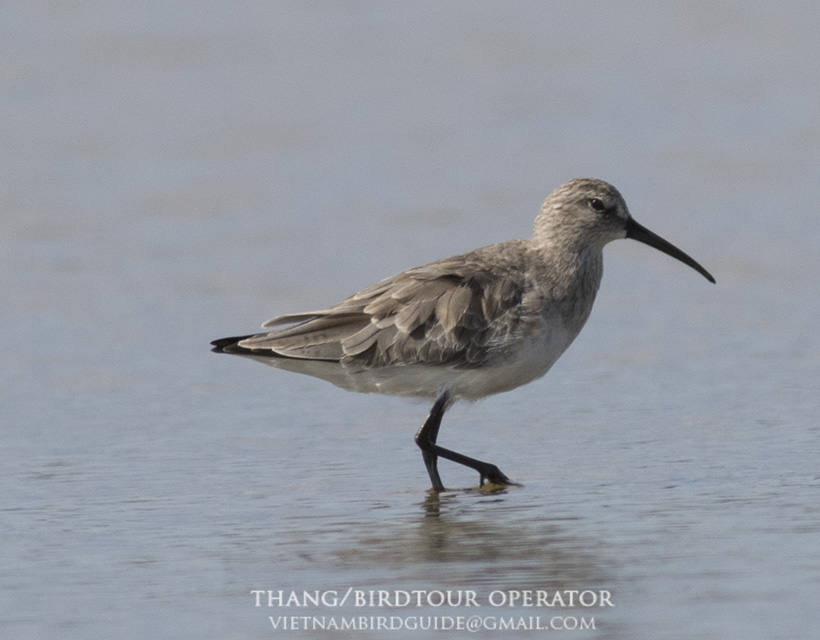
point(469, 326)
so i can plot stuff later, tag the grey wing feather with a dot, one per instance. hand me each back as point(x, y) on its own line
point(444, 313)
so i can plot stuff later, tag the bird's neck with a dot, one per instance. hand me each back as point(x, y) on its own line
point(567, 265)
point(570, 279)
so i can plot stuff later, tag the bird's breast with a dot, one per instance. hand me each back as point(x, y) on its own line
point(532, 356)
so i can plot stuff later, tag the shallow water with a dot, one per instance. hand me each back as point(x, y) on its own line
point(178, 172)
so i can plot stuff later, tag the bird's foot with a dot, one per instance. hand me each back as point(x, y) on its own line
point(492, 476)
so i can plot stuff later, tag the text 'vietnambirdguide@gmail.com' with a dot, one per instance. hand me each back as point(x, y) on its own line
point(354, 609)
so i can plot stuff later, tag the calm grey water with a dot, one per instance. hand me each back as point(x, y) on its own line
point(176, 172)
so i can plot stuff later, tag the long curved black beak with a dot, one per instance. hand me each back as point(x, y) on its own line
point(642, 234)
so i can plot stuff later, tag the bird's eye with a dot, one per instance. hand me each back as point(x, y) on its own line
point(597, 204)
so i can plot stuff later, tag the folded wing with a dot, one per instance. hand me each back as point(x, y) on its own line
point(437, 314)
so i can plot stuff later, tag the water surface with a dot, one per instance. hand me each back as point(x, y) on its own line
point(178, 172)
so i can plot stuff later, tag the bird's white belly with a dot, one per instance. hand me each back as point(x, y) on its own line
point(530, 359)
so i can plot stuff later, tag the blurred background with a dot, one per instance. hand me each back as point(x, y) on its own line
point(175, 172)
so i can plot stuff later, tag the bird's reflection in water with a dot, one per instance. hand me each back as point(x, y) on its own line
point(458, 543)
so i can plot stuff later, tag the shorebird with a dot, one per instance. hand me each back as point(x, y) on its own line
point(464, 327)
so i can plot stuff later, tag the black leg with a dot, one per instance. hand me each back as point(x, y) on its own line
point(426, 440)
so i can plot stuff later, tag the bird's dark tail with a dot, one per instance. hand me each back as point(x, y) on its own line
point(230, 345)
